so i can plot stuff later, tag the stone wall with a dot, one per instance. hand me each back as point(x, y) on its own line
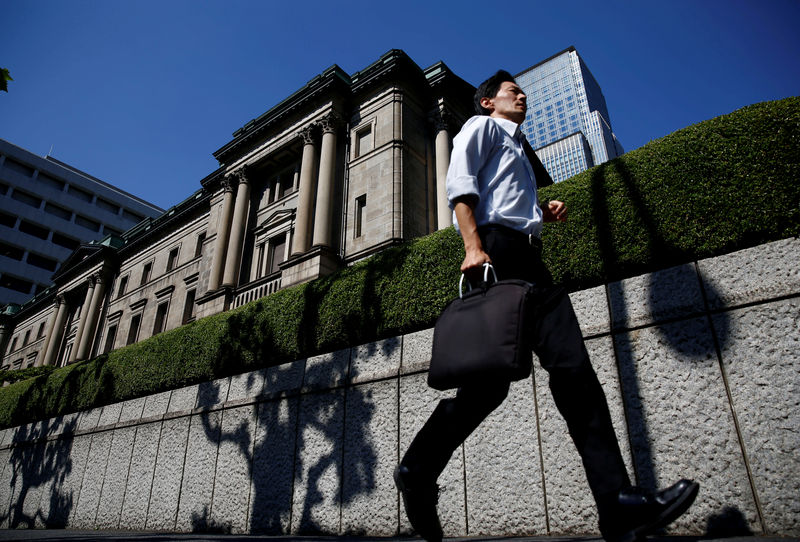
point(700, 364)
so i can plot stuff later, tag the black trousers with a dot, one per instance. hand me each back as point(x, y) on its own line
point(558, 343)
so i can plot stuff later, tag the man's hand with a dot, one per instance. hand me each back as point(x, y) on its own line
point(473, 262)
point(554, 211)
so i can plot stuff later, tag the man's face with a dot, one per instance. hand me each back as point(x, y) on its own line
point(509, 103)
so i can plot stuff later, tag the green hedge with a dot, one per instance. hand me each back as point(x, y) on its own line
point(718, 186)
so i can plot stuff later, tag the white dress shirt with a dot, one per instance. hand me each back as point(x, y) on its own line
point(488, 161)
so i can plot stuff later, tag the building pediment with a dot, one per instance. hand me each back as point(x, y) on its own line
point(275, 219)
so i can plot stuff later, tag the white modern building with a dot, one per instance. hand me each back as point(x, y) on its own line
point(47, 209)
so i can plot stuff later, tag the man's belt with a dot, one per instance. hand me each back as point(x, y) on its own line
point(522, 237)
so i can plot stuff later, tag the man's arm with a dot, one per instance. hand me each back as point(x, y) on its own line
point(475, 256)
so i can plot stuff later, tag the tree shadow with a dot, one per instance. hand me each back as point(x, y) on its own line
point(661, 295)
point(306, 445)
point(39, 469)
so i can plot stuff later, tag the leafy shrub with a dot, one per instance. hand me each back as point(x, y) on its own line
point(721, 185)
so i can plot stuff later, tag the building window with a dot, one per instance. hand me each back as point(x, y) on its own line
point(60, 212)
point(34, 230)
point(13, 345)
point(41, 262)
point(64, 241)
point(111, 336)
point(277, 253)
point(7, 220)
point(112, 208)
point(79, 193)
point(172, 259)
point(361, 203)
point(15, 166)
point(188, 307)
point(40, 333)
point(133, 332)
point(198, 249)
point(27, 199)
point(123, 285)
point(281, 185)
point(364, 140)
point(260, 251)
point(146, 270)
point(46, 180)
point(130, 215)
point(27, 338)
point(161, 318)
point(12, 252)
point(87, 223)
point(16, 284)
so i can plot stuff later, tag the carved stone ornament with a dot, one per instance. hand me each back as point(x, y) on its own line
point(228, 184)
point(442, 120)
point(308, 135)
point(329, 123)
point(241, 175)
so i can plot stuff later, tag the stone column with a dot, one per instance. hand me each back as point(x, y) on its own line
point(54, 342)
point(223, 231)
point(444, 216)
point(85, 309)
point(308, 189)
point(327, 171)
point(233, 260)
point(51, 325)
point(91, 318)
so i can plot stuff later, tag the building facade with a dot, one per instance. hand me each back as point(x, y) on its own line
point(47, 209)
point(567, 122)
point(340, 169)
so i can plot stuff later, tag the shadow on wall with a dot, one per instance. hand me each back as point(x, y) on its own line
point(38, 473)
point(662, 297)
point(301, 469)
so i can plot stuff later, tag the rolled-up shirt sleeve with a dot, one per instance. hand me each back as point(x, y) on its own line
point(468, 156)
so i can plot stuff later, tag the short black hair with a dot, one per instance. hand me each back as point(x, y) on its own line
point(489, 88)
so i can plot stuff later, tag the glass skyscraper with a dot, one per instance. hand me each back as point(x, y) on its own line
point(567, 121)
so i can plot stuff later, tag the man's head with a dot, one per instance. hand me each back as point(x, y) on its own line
point(500, 96)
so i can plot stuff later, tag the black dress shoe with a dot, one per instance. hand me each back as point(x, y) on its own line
point(420, 500)
point(636, 512)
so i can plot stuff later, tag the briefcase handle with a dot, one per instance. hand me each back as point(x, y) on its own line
point(486, 267)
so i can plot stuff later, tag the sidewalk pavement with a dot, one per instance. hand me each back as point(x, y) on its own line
point(45, 535)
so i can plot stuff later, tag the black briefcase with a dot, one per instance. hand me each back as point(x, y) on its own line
point(480, 336)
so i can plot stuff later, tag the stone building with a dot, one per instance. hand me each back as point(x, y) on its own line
point(340, 169)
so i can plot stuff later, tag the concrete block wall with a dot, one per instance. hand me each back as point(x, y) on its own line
point(700, 364)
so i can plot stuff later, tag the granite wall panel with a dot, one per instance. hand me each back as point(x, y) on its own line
point(762, 361)
point(197, 487)
point(417, 401)
point(140, 476)
point(369, 498)
point(92, 483)
point(271, 487)
point(318, 470)
point(680, 420)
point(168, 477)
point(503, 469)
point(229, 509)
point(570, 504)
point(112, 495)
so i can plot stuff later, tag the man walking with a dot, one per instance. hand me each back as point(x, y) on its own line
point(492, 189)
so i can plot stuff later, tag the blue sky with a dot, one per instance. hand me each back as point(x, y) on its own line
point(141, 93)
